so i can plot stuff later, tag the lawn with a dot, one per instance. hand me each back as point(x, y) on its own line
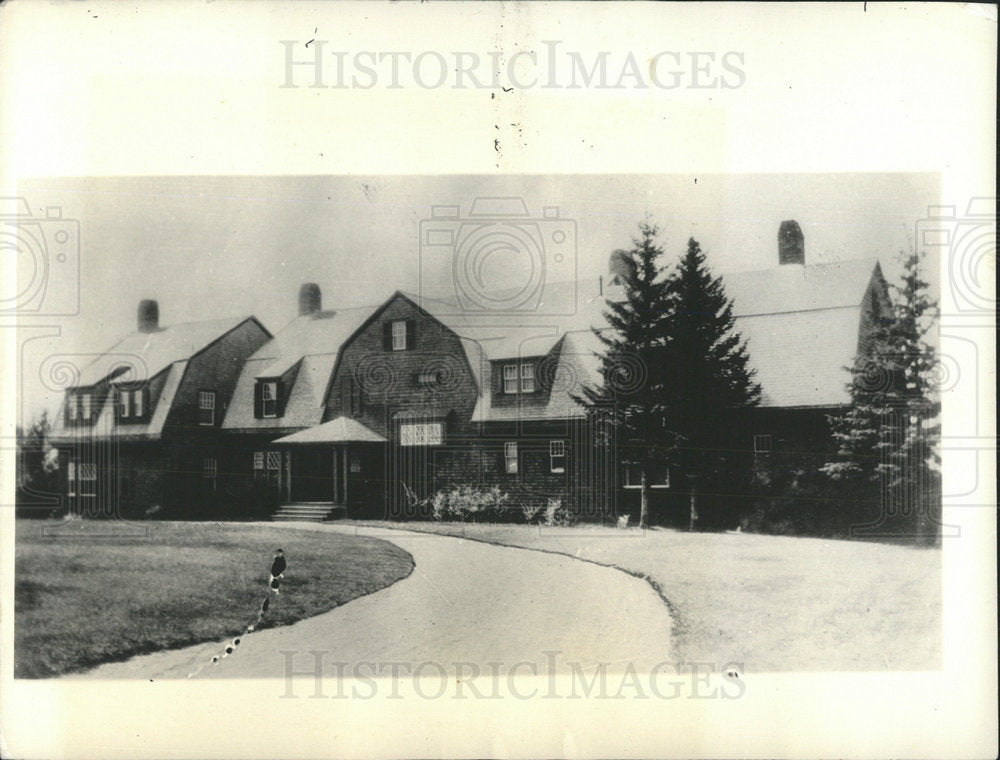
point(89, 592)
point(774, 603)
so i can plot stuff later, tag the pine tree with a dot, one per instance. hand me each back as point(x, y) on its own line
point(630, 395)
point(710, 379)
point(888, 435)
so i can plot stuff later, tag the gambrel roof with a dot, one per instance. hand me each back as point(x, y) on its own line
point(104, 426)
point(803, 324)
point(149, 353)
point(314, 340)
point(139, 358)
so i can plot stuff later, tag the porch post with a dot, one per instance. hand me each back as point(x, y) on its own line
point(345, 475)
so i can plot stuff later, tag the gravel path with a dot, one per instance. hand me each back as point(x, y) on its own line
point(465, 602)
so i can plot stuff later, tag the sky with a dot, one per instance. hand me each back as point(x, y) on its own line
point(207, 247)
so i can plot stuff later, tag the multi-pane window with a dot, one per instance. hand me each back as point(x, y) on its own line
point(519, 378)
point(85, 403)
point(510, 458)
point(258, 460)
point(269, 398)
point(209, 471)
point(510, 378)
point(762, 444)
point(88, 478)
point(206, 407)
point(399, 335)
point(71, 478)
point(527, 378)
point(557, 456)
point(130, 404)
point(657, 476)
point(274, 460)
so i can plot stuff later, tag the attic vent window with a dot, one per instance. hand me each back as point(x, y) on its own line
point(429, 378)
point(762, 444)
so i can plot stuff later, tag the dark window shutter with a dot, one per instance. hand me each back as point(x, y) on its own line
point(146, 411)
point(387, 336)
point(501, 461)
point(411, 334)
point(258, 401)
point(282, 399)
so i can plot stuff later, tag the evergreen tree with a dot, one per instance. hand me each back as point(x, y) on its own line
point(710, 380)
point(630, 395)
point(888, 435)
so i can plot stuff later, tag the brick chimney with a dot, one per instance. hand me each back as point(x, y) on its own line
point(791, 243)
point(149, 316)
point(310, 299)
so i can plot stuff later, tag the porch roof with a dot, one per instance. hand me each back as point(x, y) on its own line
point(424, 413)
point(337, 430)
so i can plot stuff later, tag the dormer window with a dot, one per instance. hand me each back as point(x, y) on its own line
point(519, 378)
point(130, 404)
point(78, 406)
point(510, 378)
point(266, 401)
point(527, 378)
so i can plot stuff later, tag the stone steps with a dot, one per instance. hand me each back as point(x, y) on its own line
point(308, 511)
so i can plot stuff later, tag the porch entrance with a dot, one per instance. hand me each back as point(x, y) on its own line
point(314, 474)
point(336, 463)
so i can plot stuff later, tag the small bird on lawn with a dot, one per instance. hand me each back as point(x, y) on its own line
point(277, 571)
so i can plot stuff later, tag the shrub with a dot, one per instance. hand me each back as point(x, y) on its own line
point(468, 504)
point(530, 511)
point(557, 515)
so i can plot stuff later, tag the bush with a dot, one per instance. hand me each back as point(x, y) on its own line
point(530, 511)
point(468, 504)
point(557, 515)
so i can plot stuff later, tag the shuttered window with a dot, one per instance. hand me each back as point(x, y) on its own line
point(269, 398)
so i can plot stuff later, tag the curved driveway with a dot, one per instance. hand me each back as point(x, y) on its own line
point(466, 602)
